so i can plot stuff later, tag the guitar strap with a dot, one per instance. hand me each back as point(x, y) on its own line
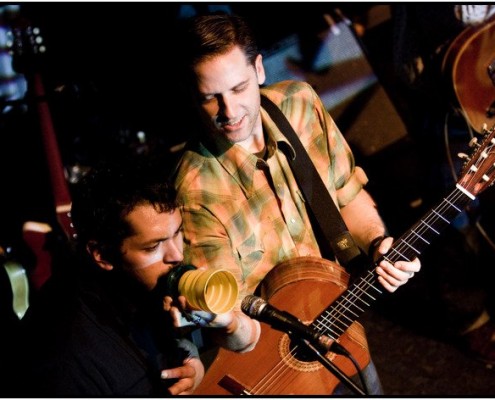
point(331, 232)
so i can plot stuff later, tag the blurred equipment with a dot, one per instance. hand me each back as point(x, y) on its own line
point(346, 82)
point(469, 65)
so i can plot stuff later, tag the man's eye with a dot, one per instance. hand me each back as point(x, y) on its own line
point(179, 232)
point(240, 89)
point(151, 248)
point(207, 101)
point(206, 98)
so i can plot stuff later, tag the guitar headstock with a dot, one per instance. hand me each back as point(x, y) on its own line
point(26, 46)
point(478, 172)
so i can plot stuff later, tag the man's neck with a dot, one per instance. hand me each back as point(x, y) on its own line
point(254, 144)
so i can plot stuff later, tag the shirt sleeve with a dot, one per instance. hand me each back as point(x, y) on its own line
point(352, 187)
point(345, 177)
point(189, 348)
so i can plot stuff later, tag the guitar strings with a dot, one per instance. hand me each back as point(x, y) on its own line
point(268, 382)
point(397, 253)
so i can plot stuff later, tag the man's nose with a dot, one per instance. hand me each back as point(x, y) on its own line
point(173, 253)
point(227, 107)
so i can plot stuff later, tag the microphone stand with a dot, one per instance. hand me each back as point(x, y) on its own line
point(334, 369)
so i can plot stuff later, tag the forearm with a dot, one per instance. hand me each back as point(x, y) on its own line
point(363, 220)
point(241, 335)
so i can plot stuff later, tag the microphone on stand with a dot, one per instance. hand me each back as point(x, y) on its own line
point(257, 308)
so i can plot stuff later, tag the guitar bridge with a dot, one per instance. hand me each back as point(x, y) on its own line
point(232, 386)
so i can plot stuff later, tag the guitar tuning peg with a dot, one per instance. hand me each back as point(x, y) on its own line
point(486, 131)
point(463, 156)
point(473, 142)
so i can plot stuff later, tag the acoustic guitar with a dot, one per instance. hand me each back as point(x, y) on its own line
point(469, 65)
point(305, 286)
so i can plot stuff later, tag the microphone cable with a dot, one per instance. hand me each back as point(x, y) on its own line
point(337, 348)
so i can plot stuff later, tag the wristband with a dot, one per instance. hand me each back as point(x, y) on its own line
point(375, 243)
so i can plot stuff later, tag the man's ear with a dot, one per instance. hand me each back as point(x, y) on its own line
point(94, 251)
point(260, 69)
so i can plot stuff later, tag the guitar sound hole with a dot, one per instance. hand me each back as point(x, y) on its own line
point(297, 357)
point(301, 352)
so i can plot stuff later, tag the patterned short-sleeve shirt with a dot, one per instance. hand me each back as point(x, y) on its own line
point(247, 214)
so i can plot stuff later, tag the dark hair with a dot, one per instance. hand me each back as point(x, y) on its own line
point(108, 193)
point(205, 36)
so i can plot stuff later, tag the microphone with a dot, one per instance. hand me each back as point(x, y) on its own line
point(257, 308)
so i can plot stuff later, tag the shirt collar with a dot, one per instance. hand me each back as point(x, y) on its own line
point(241, 164)
point(275, 138)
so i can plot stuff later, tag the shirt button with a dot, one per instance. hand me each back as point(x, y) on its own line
point(293, 220)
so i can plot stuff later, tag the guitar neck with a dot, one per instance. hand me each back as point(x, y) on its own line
point(353, 302)
point(28, 48)
point(58, 180)
point(55, 165)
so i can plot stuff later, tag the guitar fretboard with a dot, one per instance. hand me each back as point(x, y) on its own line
point(361, 294)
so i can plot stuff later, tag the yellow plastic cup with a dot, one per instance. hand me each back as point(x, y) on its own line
point(212, 290)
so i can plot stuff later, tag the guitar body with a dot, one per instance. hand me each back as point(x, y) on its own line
point(303, 287)
point(470, 64)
